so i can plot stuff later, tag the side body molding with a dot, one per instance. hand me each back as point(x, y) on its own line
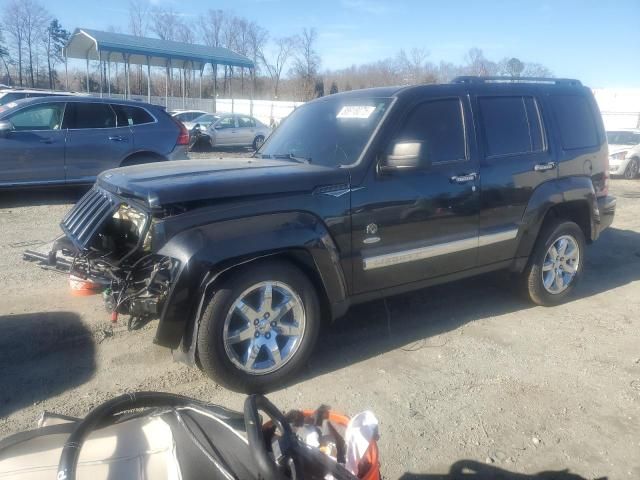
point(208, 250)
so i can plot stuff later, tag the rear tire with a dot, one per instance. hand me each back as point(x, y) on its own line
point(556, 263)
point(245, 342)
point(257, 142)
point(631, 171)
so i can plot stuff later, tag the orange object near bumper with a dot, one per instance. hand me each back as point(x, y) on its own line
point(81, 287)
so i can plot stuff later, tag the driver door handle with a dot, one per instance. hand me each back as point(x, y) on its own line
point(543, 167)
point(118, 138)
point(460, 179)
point(46, 140)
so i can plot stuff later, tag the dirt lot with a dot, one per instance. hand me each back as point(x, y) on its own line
point(464, 371)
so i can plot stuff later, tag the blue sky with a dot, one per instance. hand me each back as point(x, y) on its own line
point(595, 41)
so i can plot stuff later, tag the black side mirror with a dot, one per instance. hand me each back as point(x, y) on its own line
point(405, 156)
point(5, 128)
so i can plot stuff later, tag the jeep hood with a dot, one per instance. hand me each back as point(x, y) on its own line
point(166, 183)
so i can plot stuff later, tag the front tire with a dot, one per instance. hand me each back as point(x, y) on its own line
point(631, 171)
point(259, 328)
point(556, 264)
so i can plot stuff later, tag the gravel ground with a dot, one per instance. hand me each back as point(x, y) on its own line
point(464, 372)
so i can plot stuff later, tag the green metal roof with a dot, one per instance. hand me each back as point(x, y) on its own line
point(85, 42)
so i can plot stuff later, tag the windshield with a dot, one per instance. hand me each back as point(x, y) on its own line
point(207, 118)
point(623, 138)
point(332, 131)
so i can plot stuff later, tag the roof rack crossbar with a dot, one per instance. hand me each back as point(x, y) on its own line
point(504, 79)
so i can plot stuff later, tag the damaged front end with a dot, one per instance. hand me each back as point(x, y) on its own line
point(107, 248)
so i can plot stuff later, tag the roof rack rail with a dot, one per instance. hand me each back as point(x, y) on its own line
point(497, 79)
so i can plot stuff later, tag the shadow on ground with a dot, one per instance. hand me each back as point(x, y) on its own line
point(30, 197)
point(408, 321)
point(470, 470)
point(42, 355)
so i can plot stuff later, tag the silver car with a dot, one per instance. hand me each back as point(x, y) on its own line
point(237, 130)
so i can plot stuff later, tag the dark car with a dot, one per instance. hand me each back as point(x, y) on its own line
point(356, 196)
point(70, 140)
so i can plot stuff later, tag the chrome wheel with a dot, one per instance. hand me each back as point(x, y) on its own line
point(560, 264)
point(264, 327)
point(631, 171)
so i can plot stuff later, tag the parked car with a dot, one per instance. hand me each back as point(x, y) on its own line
point(70, 140)
point(236, 130)
point(12, 94)
point(624, 152)
point(356, 196)
point(186, 115)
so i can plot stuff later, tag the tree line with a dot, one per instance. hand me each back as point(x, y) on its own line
point(287, 67)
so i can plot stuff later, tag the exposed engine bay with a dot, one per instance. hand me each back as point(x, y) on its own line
point(107, 249)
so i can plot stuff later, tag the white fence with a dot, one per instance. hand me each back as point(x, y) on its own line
point(263, 110)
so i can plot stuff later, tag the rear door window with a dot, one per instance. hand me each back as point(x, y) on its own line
point(246, 122)
point(575, 121)
point(227, 122)
point(89, 115)
point(511, 125)
point(47, 116)
point(440, 126)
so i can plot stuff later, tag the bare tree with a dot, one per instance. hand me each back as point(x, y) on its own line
point(165, 23)
point(229, 40)
point(138, 18)
point(282, 52)
point(4, 56)
point(34, 19)
point(536, 70)
point(14, 25)
point(211, 25)
point(307, 61)
point(258, 37)
point(478, 64)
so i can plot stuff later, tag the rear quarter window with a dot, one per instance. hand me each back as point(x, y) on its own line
point(576, 125)
point(128, 115)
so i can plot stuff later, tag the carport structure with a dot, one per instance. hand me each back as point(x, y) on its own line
point(109, 47)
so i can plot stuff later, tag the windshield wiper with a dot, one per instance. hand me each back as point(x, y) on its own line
point(287, 156)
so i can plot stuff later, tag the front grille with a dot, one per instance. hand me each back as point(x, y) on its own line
point(83, 221)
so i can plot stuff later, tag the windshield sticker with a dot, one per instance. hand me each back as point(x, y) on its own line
point(356, 111)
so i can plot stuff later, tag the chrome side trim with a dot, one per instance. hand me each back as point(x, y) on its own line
point(422, 253)
point(497, 237)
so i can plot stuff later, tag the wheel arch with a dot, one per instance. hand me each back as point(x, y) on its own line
point(210, 253)
point(132, 157)
point(570, 198)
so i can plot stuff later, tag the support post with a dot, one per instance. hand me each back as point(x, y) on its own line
point(183, 86)
point(231, 88)
point(101, 70)
point(66, 69)
point(201, 72)
point(109, 74)
point(148, 81)
point(166, 84)
point(251, 74)
point(214, 71)
point(128, 68)
point(87, 72)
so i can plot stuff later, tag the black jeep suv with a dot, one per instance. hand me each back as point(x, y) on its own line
point(355, 196)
